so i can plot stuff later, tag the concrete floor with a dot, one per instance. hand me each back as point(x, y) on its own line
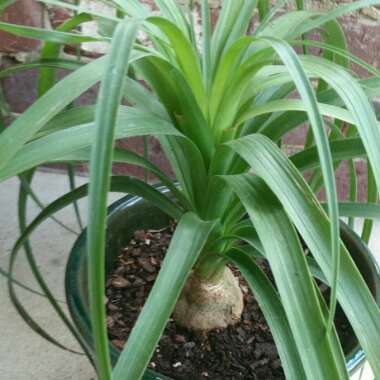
point(23, 354)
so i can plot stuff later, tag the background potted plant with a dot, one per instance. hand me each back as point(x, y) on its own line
point(220, 112)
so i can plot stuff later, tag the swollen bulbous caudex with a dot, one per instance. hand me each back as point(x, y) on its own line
point(205, 305)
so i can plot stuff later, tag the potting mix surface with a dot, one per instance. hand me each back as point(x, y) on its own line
point(243, 351)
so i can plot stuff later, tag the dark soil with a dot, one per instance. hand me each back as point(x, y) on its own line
point(244, 351)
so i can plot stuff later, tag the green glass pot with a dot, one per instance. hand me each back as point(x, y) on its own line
point(133, 213)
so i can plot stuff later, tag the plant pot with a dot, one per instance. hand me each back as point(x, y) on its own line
point(133, 213)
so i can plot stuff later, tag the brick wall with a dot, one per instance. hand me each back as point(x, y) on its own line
point(362, 29)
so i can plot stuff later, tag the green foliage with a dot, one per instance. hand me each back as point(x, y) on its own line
point(220, 110)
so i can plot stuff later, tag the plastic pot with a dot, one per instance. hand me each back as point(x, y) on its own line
point(133, 213)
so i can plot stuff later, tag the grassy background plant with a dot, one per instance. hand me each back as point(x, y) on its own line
point(220, 108)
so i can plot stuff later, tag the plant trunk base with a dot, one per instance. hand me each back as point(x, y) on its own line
point(205, 305)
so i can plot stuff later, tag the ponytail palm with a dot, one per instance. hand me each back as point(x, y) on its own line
point(220, 107)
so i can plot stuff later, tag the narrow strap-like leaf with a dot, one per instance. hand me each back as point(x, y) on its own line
point(129, 157)
point(173, 12)
point(339, 52)
point(340, 149)
point(109, 99)
point(52, 50)
point(298, 295)
point(130, 123)
point(334, 14)
point(226, 20)
point(22, 205)
point(54, 101)
point(118, 184)
point(273, 310)
point(186, 56)
point(306, 213)
point(65, 64)
point(187, 243)
point(283, 105)
point(206, 35)
point(25, 185)
point(372, 197)
point(354, 97)
point(306, 92)
point(133, 8)
point(264, 7)
point(47, 35)
point(359, 210)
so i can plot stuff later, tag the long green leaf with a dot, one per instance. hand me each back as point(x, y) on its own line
point(292, 62)
point(286, 25)
point(273, 311)
point(339, 52)
point(225, 72)
point(341, 150)
point(188, 241)
point(47, 35)
point(52, 51)
point(184, 157)
point(298, 294)
point(133, 8)
point(179, 100)
point(372, 197)
point(294, 105)
point(105, 122)
point(128, 157)
point(141, 97)
point(206, 35)
point(31, 322)
point(360, 210)
point(226, 20)
point(13, 295)
point(65, 64)
point(242, 22)
point(186, 57)
point(280, 125)
point(173, 12)
point(266, 20)
point(264, 8)
point(357, 103)
point(306, 213)
point(118, 184)
point(25, 186)
point(130, 123)
point(54, 101)
point(22, 210)
point(353, 188)
point(333, 14)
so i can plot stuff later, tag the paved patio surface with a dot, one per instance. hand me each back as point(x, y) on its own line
point(23, 354)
